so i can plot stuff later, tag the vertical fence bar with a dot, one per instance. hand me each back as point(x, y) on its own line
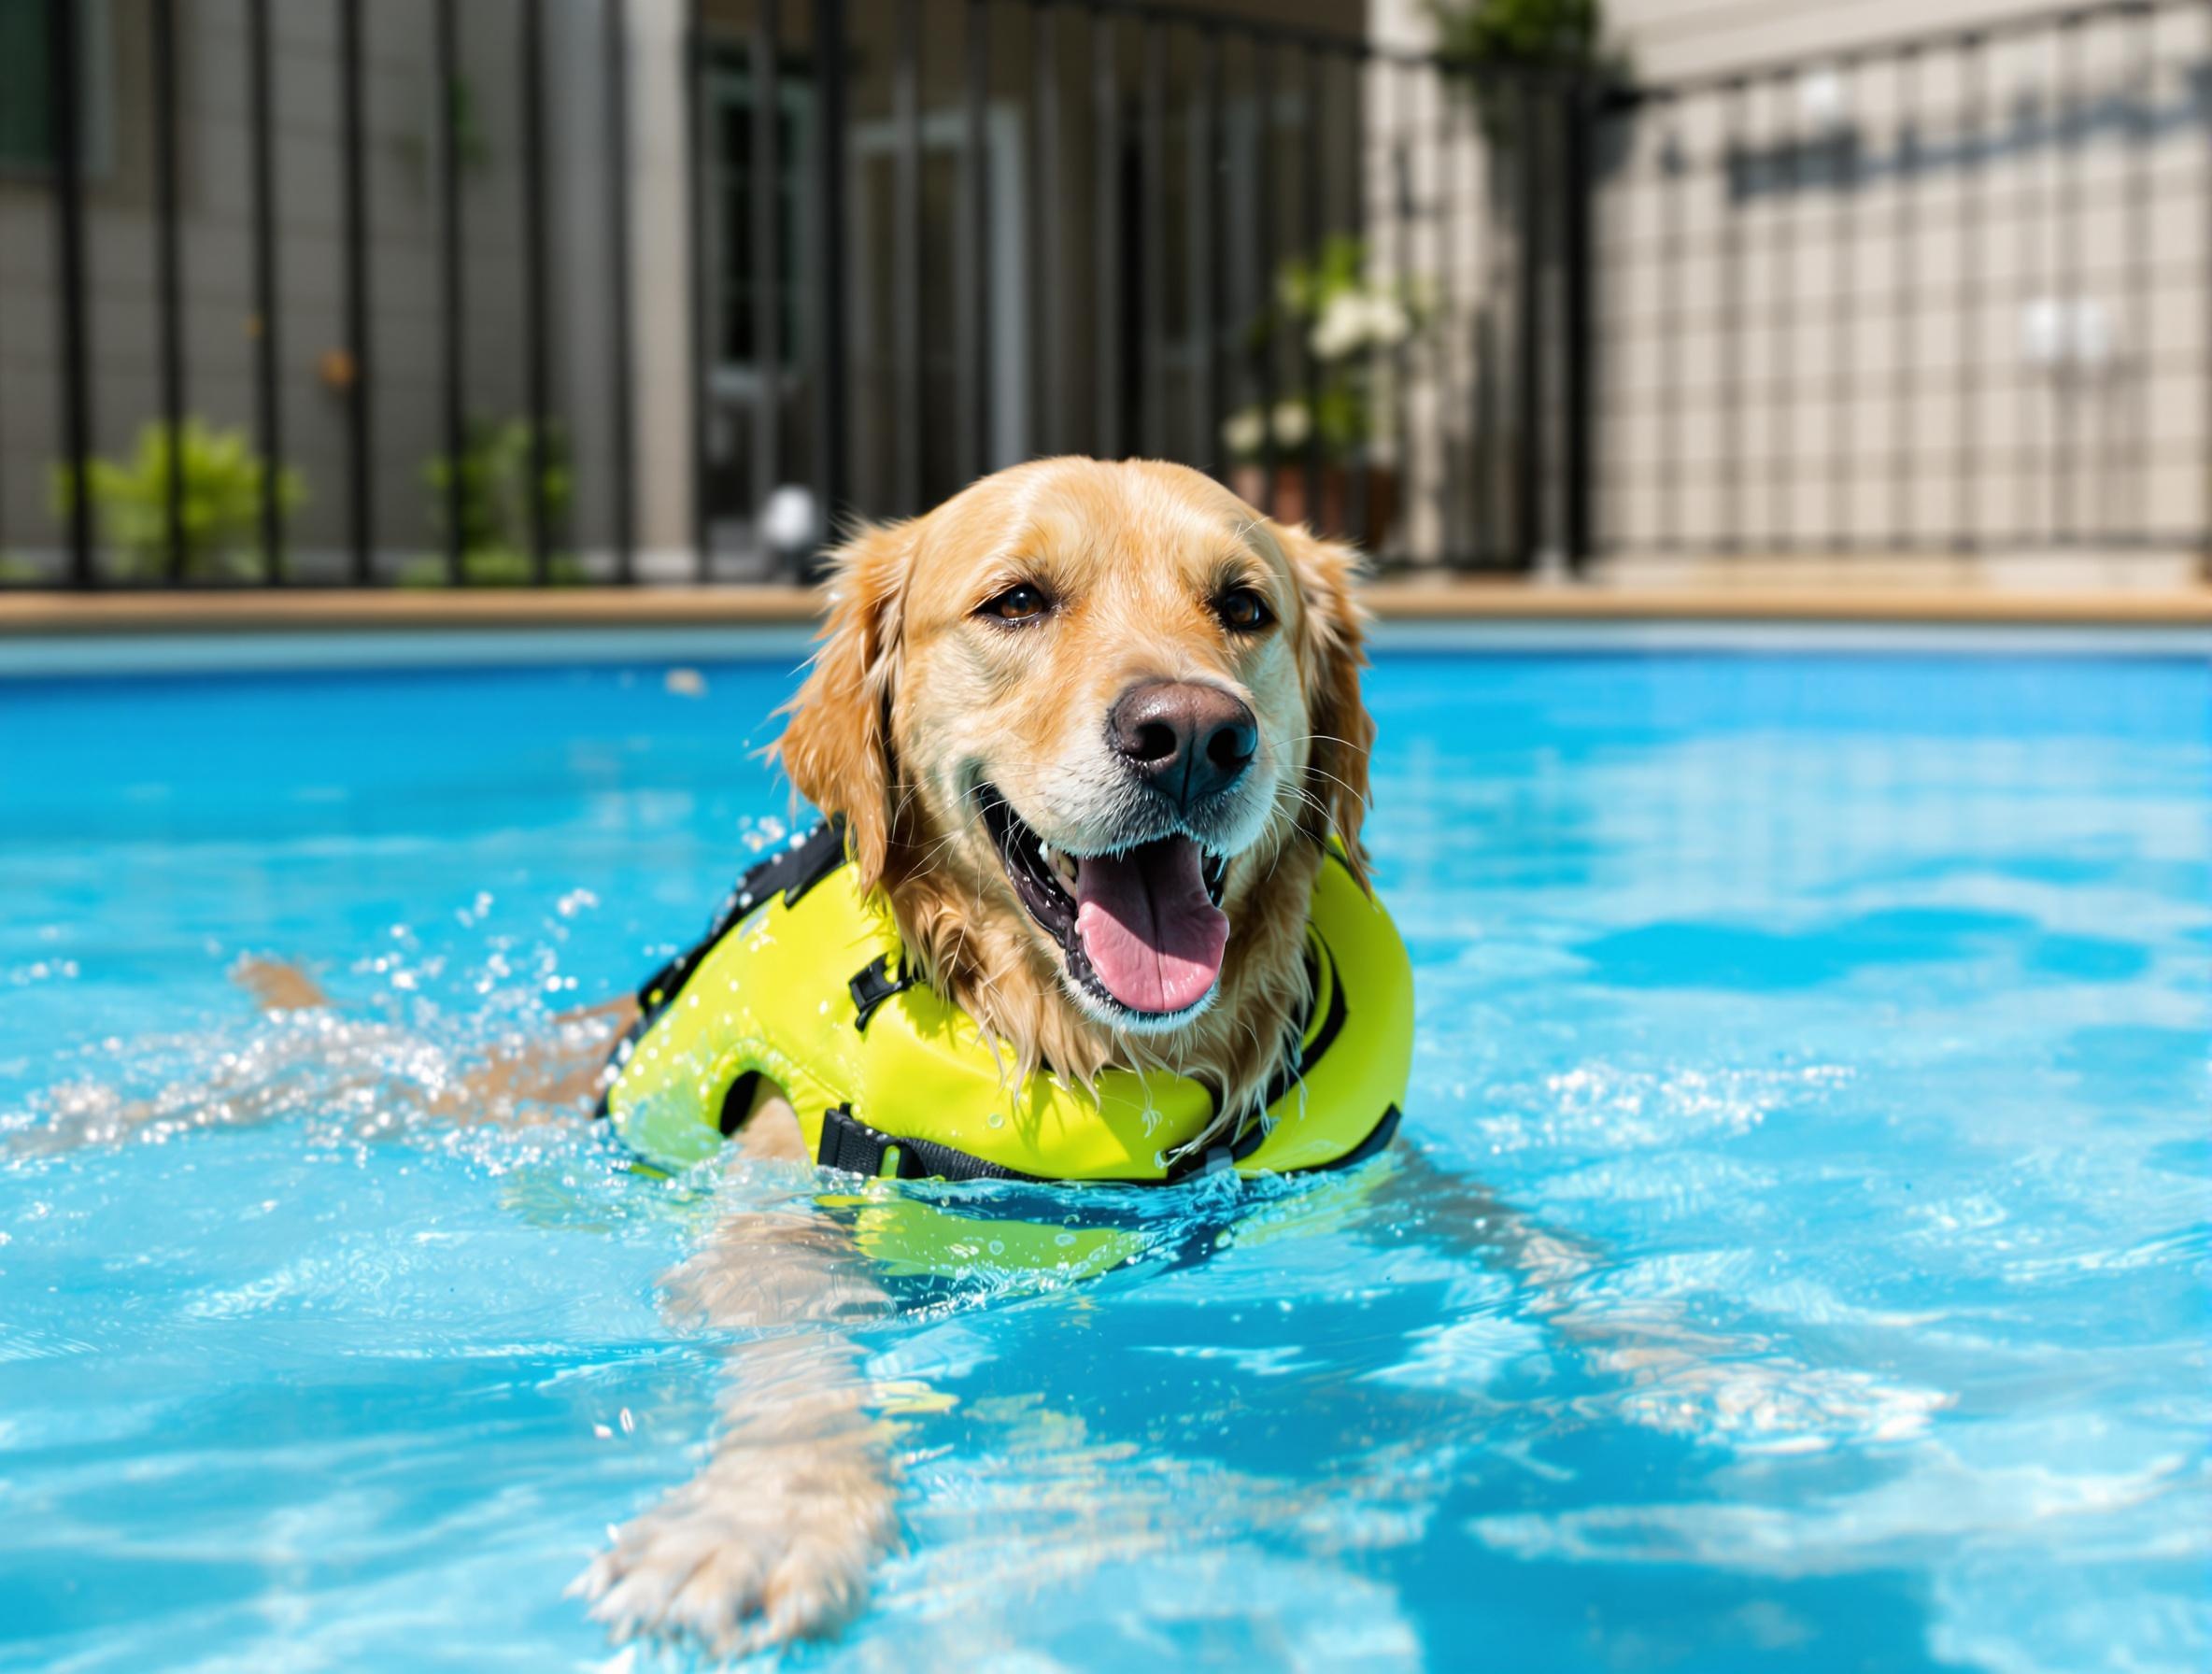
point(1263, 205)
point(1529, 325)
point(1312, 215)
point(1401, 271)
point(1052, 310)
point(702, 272)
point(621, 345)
point(1445, 219)
point(269, 401)
point(2136, 344)
point(829, 190)
point(537, 273)
point(450, 282)
point(766, 213)
point(170, 283)
point(1731, 323)
point(1106, 372)
point(360, 410)
point(1670, 334)
point(1205, 264)
point(1489, 416)
point(1358, 463)
point(2066, 229)
point(1578, 256)
point(1906, 314)
point(906, 285)
point(973, 250)
point(2029, 221)
point(1781, 466)
point(1974, 115)
point(1841, 327)
point(75, 393)
point(1153, 243)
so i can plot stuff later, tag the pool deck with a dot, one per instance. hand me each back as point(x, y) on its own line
point(50, 615)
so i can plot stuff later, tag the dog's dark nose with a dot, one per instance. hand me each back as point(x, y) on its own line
point(1186, 740)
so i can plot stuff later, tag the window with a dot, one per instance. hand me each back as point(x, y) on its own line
point(731, 211)
point(27, 84)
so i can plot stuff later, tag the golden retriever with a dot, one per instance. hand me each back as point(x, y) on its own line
point(1090, 726)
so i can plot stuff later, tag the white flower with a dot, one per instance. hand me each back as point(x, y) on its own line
point(1240, 431)
point(1355, 321)
point(1291, 423)
point(1341, 328)
point(1388, 323)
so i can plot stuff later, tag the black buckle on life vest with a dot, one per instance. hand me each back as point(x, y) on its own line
point(871, 985)
point(849, 1143)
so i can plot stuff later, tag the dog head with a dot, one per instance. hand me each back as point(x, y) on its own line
point(1090, 725)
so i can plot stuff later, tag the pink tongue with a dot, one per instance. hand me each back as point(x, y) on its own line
point(1153, 935)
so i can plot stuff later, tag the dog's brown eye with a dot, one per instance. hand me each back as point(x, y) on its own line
point(1022, 603)
point(1241, 610)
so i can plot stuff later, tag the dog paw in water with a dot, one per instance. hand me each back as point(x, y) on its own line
point(733, 1569)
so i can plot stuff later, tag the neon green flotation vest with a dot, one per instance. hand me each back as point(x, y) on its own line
point(800, 980)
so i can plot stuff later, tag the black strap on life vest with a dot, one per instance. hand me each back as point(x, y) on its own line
point(851, 1145)
point(793, 870)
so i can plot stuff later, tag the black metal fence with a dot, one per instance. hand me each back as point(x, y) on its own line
point(149, 519)
point(1115, 229)
point(875, 248)
point(1945, 293)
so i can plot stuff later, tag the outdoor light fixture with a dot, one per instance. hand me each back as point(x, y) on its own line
point(788, 520)
point(1821, 102)
point(2069, 335)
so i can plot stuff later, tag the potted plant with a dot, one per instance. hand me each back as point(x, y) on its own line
point(1351, 327)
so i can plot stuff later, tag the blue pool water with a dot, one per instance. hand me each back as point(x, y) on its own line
point(1795, 1257)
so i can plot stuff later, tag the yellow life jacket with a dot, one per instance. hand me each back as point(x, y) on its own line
point(800, 980)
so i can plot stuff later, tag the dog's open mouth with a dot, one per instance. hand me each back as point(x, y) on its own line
point(1141, 927)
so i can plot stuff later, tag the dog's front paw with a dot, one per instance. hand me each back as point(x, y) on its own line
point(736, 1561)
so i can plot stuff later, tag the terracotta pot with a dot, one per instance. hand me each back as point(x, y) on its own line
point(1333, 517)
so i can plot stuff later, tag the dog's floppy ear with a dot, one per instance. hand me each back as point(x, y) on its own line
point(837, 744)
point(1330, 658)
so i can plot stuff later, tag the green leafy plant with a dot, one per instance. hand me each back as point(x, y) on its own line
point(1349, 324)
point(1536, 38)
point(1527, 35)
point(495, 507)
point(220, 477)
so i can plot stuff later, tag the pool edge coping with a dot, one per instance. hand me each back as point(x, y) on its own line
point(51, 635)
point(339, 610)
